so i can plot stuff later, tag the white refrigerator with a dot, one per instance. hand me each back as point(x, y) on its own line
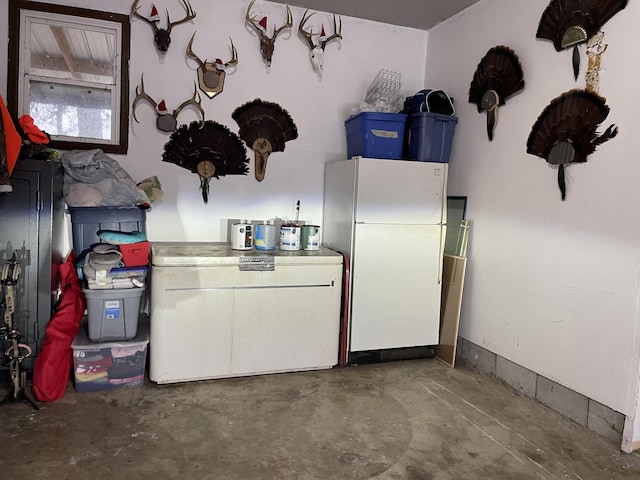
point(389, 217)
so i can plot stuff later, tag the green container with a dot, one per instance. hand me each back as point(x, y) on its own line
point(310, 237)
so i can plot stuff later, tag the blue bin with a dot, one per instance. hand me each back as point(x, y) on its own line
point(86, 222)
point(431, 136)
point(375, 135)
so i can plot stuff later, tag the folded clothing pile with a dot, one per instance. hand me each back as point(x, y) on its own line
point(120, 263)
point(100, 260)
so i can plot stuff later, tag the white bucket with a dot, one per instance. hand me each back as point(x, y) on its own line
point(241, 236)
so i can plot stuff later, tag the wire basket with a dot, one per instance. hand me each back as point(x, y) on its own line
point(383, 93)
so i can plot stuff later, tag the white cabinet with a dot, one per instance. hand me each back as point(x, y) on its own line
point(215, 315)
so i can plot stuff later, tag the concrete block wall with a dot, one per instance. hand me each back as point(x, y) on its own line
point(586, 412)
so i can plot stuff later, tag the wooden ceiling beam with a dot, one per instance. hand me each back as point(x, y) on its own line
point(65, 49)
point(81, 67)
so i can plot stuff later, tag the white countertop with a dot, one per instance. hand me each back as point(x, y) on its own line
point(176, 254)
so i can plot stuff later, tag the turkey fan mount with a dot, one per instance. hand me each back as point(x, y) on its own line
point(208, 149)
point(568, 23)
point(565, 131)
point(264, 127)
point(498, 76)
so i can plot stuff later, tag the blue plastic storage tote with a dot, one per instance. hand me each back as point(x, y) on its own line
point(431, 136)
point(375, 135)
point(86, 222)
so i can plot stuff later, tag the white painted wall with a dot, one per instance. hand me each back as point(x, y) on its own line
point(551, 285)
point(318, 107)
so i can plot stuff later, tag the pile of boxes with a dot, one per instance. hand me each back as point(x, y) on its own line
point(110, 350)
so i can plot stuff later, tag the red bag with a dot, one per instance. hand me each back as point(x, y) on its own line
point(54, 362)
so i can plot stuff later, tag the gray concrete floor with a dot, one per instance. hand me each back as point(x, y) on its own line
point(410, 420)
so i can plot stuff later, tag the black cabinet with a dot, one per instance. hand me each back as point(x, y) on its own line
point(32, 226)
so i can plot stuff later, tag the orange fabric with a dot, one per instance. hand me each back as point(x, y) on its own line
point(13, 141)
point(29, 127)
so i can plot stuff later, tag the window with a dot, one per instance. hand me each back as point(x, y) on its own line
point(68, 69)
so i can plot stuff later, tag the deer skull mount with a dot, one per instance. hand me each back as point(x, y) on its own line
point(211, 75)
point(317, 50)
point(267, 43)
point(165, 122)
point(162, 36)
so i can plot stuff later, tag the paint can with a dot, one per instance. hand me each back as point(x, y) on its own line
point(290, 237)
point(310, 237)
point(242, 236)
point(265, 238)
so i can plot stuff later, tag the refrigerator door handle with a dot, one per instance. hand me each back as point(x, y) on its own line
point(443, 237)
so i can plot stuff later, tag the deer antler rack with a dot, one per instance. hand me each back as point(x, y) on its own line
point(317, 50)
point(165, 122)
point(162, 36)
point(267, 44)
point(211, 75)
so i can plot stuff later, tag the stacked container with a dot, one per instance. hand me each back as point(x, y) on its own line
point(114, 320)
point(109, 365)
point(375, 135)
point(421, 136)
point(431, 136)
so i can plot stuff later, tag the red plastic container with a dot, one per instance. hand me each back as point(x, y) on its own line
point(135, 254)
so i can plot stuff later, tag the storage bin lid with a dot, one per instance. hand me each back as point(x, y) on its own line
point(112, 293)
point(102, 214)
point(82, 342)
point(188, 254)
point(379, 117)
point(439, 116)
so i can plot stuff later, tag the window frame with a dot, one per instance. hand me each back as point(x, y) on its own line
point(18, 76)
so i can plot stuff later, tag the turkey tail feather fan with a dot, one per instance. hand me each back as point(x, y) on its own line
point(264, 127)
point(208, 149)
point(565, 131)
point(567, 23)
point(498, 76)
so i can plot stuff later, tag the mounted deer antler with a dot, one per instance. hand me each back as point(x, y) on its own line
point(211, 75)
point(267, 44)
point(317, 51)
point(161, 36)
point(165, 122)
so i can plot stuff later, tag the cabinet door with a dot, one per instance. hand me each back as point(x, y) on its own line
point(191, 324)
point(395, 295)
point(287, 320)
point(19, 222)
point(401, 192)
point(32, 226)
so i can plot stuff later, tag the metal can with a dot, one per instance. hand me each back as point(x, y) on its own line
point(290, 237)
point(265, 238)
point(310, 237)
point(242, 236)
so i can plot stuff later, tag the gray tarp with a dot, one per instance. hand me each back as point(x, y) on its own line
point(93, 179)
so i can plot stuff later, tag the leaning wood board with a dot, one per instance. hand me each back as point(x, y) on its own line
point(452, 286)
